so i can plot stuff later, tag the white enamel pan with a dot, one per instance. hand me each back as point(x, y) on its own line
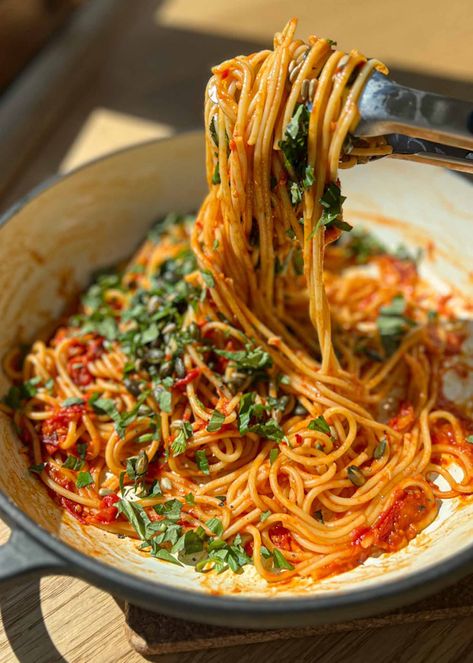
point(51, 242)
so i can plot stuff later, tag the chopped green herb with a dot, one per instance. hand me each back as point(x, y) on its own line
point(208, 279)
point(82, 449)
point(215, 526)
point(362, 246)
point(190, 499)
point(332, 202)
point(252, 359)
point(213, 129)
point(164, 399)
point(393, 324)
point(74, 400)
point(163, 554)
point(137, 516)
point(202, 461)
point(280, 562)
point(270, 430)
point(145, 438)
point(179, 444)
point(73, 463)
point(265, 515)
point(216, 421)
point(294, 143)
point(320, 425)
point(469, 439)
point(265, 552)
point(216, 174)
point(84, 479)
point(273, 454)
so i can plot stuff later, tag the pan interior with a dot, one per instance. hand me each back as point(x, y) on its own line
point(97, 216)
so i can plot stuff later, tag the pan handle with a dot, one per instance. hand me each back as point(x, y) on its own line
point(22, 557)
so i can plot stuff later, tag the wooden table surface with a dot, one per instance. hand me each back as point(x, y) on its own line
point(153, 60)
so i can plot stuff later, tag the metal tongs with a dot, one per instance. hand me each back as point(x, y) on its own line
point(419, 126)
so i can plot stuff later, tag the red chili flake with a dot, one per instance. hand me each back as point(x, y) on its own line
point(190, 377)
point(225, 73)
point(299, 439)
point(249, 548)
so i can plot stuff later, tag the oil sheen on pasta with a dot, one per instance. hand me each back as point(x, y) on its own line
point(254, 388)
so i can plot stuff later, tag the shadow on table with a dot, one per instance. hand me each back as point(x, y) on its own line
point(24, 626)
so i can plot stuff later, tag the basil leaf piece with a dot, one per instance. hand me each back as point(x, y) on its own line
point(84, 479)
point(216, 421)
point(136, 515)
point(280, 562)
point(202, 461)
point(252, 359)
point(320, 425)
point(179, 444)
point(273, 454)
point(332, 201)
point(208, 278)
point(215, 525)
point(393, 324)
point(74, 400)
point(73, 463)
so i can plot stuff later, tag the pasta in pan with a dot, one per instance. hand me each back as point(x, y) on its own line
point(257, 386)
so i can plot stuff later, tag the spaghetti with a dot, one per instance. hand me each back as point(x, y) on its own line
point(252, 388)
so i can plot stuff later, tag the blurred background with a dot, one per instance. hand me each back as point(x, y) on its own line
point(81, 77)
